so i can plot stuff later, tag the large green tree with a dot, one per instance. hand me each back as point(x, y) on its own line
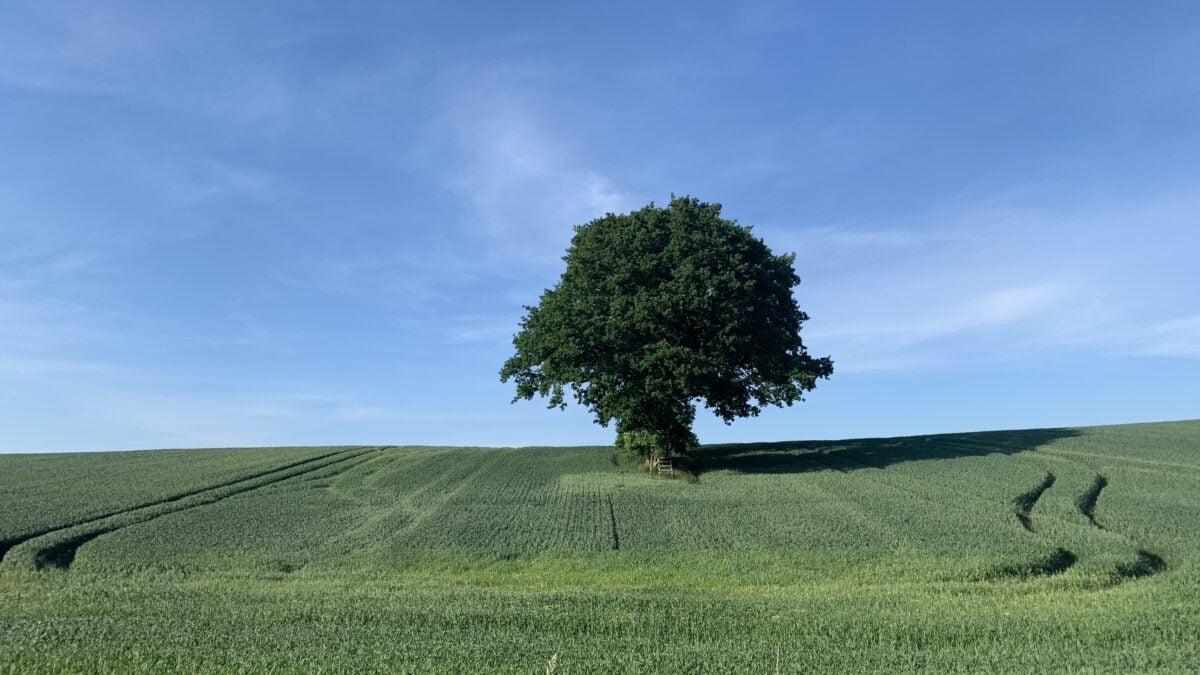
point(661, 309)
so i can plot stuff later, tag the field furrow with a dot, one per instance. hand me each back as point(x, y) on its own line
point(1087, 501)
point(13, 541)
point(612, 515)
point(57, 548)
point(1025, 502)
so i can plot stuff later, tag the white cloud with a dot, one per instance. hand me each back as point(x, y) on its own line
point(1012, 304)
point(481, 329)
point(994, 308)
point(526, 188)
point(905, 342)
point(1177, 337)
point(1001, 279)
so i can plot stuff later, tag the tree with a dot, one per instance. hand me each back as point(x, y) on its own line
point(661, 309)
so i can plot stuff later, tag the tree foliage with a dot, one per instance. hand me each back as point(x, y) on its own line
point(661, 309)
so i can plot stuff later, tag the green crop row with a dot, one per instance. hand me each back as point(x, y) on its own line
point(43, 492)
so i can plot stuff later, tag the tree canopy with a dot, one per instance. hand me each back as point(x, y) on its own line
point(661, 309)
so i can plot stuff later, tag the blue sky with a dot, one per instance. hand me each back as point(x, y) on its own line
point(230, 223)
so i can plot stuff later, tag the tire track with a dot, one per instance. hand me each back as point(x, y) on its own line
point(1056, 563)
point(63, 543)
point(1147, 564)
point(1087, 501)
point(424, 502)
point(966, 503)
point(8, 544)
point(612, 516)
point(828, 460)
point(1121, 459)
point(62, 554)
point(853, 507)
point(1024, 503)
point(1059, 561)
point(317, 479)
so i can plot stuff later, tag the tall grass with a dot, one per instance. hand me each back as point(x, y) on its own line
point(881, 555)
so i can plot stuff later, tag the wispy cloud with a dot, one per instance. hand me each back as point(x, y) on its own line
point(999, 278)
point(201, 207)
point(994, 308)
point(73, 47)
point(401, 276)
point(378, 413)
point(526, 187)
point(45, 326)
point(162, 56)
point(906, 343)
point(1176, 337)
point(853, 239)
point(11, 364)
point(482, 329)
point(191, 420)
point(178, 180)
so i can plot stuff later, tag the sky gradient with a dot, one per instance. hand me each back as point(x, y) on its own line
point(287, 223)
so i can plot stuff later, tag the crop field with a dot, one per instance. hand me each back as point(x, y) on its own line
point(1053, 550)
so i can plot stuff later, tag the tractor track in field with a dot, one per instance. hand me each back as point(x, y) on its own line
point(827, 461)
point(612, 517)
point(61, 554)
point(1025, 502)
point(367, 458)
point(8, 544)
point(419, 514)
point(1148, 563)
point(1147, 464)
point(968, 505)
point(1087, 501)
point(1059, 561)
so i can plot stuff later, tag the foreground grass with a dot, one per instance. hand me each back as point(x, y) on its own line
point(156, 623)
point(880, 555)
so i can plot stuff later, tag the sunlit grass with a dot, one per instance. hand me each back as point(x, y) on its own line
point(878, 555)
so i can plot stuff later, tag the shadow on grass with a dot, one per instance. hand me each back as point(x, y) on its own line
point(849, 455)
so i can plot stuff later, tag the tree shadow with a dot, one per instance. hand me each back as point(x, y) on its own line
point(865, 453)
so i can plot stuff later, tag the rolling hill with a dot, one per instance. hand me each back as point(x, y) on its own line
point(1027, 551)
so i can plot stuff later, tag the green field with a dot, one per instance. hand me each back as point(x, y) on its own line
point(1025, 551)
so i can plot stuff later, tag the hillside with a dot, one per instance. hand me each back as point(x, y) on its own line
point(1033, 550)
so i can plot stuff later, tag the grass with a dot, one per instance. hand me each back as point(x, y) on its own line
point(1022, 551)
